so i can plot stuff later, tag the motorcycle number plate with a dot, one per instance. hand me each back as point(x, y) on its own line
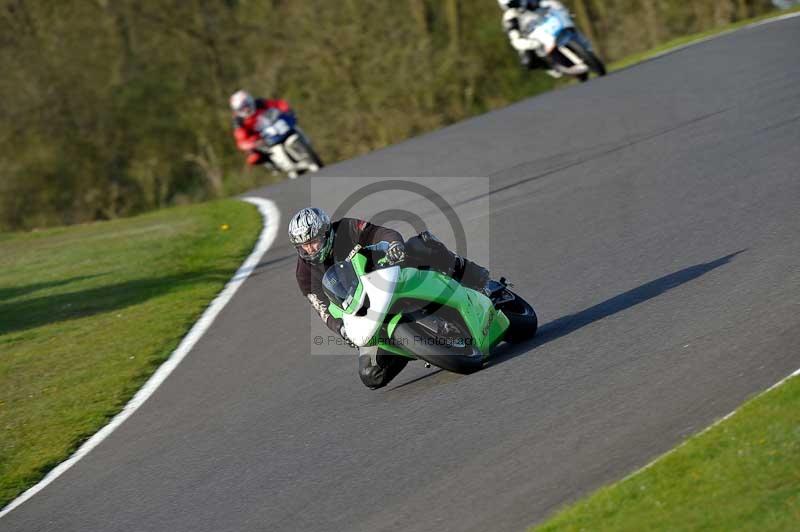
point(277, 129)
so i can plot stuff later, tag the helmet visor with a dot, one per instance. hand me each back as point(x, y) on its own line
point(244, 110)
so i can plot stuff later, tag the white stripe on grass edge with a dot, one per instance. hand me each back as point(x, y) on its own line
point(717, 422)
point(269, 232)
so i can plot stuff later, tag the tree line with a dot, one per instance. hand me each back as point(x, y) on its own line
point(114, 107)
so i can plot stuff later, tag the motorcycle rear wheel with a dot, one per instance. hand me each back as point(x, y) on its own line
point(523, 322)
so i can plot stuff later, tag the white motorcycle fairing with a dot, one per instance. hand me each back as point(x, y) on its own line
point(547, 25)
point(281, 159)
point(378, 288)
point(288, 159)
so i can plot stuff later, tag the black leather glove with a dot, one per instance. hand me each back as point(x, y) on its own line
point(396, 252)
point(347, 340)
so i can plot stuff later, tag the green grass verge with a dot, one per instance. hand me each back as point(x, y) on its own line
point(742, 474)
point(687, 39)
point(87, 313)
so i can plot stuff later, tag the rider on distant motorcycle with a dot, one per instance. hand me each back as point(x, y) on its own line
point(320, 242)
point(246, 112)
point(512, 10)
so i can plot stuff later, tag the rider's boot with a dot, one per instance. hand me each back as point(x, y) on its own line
point(471, 274)
point(532, 61)
point(497, 291)
point(377, 368)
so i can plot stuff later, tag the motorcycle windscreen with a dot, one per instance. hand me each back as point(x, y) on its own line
point(273, 127)
point(340, 283)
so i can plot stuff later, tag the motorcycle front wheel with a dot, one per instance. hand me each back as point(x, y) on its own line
point(439, 351)
point(587, 56)
point(302, 148)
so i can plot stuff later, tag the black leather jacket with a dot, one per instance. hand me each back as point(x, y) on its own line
point(347, 232)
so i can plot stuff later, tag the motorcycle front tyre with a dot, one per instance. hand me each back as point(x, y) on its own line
point(587, 56)
point(437, 351)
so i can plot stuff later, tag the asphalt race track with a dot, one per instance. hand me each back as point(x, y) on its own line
point(651, 217)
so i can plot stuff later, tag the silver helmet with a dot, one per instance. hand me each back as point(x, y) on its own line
point(308, 225)
point(242, 104)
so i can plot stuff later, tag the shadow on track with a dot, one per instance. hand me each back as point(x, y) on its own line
point(412, 381)
point(568, 324)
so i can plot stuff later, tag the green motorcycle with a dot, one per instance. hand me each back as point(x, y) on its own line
point(423, 314)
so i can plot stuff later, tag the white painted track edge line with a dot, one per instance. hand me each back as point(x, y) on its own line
point(271, 221)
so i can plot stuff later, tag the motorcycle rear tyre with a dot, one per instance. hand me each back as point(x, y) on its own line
point(523, 322)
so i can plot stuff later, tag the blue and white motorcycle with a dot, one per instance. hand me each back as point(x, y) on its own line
point(288, 148)
point(550, 33)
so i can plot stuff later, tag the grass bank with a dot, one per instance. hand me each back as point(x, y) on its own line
point(742, 474)
point(87, 313)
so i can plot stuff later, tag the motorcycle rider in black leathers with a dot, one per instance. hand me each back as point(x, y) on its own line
point(320, 242)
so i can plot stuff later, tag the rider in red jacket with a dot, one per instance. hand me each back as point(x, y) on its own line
point(246, 112)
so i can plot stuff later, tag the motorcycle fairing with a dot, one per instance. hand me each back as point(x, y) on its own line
point(485, 324)
point(383, 287)
point(549, 27)
point(379, 289)
point(275, 129)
